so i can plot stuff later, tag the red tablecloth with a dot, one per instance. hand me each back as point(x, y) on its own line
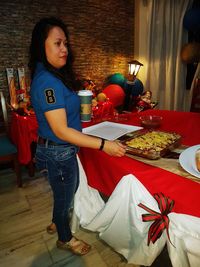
point(187, 124)
point(23, 133)
point(104, 172)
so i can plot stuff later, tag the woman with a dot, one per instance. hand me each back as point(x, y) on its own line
point(57, 108)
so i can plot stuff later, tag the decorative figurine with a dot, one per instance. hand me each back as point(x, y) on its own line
point(145, 101)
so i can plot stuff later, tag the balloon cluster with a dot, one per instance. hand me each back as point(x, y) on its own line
point(190, 53)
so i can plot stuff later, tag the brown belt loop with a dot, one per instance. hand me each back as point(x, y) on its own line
point(42, 141)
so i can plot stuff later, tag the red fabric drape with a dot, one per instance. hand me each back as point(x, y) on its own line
point(23, 133)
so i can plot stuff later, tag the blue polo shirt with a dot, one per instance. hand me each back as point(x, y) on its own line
point(49, 93)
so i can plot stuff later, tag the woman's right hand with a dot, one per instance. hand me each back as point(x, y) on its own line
point(114, 148)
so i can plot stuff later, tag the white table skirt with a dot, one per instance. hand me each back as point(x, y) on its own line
point(119, 223)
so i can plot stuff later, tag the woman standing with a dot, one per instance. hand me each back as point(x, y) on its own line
point(57, 109)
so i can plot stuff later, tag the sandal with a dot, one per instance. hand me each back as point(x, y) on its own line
point(78, 247)
point(51, 229)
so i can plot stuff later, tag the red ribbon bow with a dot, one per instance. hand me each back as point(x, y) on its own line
point(161, 220)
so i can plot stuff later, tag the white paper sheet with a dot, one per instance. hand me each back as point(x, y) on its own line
point(110, 130)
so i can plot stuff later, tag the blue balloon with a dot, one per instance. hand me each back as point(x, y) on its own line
point(191, 20)
point(135, 88)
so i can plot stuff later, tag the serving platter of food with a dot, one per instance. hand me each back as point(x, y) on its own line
point(190, 160)
point(150, 144)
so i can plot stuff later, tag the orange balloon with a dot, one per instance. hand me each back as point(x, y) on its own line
point(190, 53)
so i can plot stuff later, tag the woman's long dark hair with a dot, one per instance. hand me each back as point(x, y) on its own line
point(37, 51)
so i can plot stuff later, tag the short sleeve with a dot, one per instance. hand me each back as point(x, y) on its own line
point(50, 95)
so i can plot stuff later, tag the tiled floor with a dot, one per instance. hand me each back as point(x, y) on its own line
point(24, 214)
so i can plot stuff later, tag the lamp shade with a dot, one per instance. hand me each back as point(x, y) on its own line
point(133, 67)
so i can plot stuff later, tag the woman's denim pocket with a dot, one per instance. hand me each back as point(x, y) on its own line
point(65, 153)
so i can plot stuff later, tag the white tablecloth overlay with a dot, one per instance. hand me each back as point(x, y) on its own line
point(119, 223)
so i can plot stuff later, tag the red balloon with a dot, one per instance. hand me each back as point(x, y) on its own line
point(115, 93)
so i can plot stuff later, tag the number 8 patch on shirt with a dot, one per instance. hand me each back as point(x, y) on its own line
point(50, 96)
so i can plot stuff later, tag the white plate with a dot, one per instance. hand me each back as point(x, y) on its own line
point(187, 160)
point(110, 130)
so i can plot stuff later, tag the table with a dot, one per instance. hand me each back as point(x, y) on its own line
point(104, 172)
point(23, 134)
point(131, 181)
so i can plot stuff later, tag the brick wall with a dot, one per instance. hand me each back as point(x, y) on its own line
point(101, 34)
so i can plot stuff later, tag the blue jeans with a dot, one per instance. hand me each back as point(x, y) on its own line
point(61, 167)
